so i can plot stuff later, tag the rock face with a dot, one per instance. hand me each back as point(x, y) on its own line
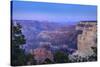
point(59, 38)
point(87, 38)
point(41, 54)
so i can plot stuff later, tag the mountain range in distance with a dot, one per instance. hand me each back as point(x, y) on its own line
point(58, 34)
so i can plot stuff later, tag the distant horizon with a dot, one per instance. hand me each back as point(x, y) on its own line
point(53, 12)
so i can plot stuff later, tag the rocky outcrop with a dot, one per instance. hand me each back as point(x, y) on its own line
point(41, 54)
point(87, 38)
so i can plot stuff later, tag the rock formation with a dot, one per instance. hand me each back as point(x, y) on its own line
point(87, 38)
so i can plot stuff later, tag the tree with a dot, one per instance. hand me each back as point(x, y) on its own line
point(94, 50)
point(94, 56)
point(61, 57)
point(17, 40)
point(48, 61)
point(30, 59)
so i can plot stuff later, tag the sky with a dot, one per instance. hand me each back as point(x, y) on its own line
point(53, 12)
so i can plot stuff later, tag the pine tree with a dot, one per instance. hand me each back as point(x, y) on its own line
point(17, 40)
point(61, 57)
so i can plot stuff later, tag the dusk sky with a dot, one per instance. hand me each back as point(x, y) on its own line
point(23, 10)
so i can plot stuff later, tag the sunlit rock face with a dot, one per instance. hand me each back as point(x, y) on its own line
point(87, 38)
point(41, 54)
